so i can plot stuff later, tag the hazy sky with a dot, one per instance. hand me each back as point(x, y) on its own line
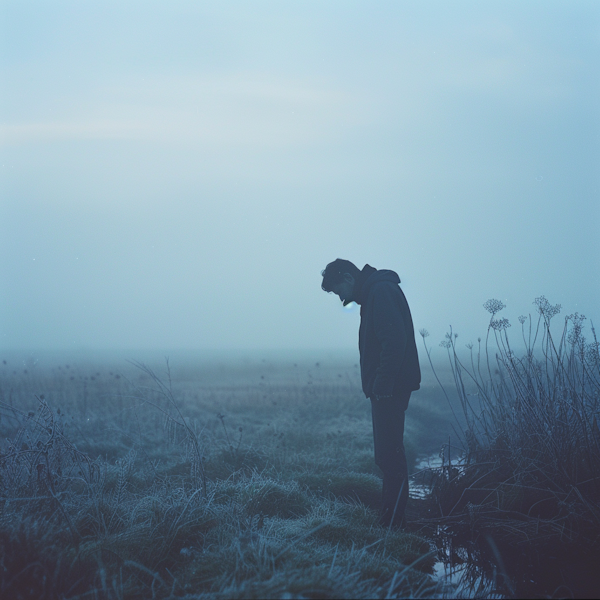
point(177, 174)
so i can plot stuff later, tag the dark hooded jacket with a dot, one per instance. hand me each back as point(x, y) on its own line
point(389, 363)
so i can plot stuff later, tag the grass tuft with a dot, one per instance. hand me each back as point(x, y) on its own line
point(360, 487)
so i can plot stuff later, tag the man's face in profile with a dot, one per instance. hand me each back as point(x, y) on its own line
point(345, 290)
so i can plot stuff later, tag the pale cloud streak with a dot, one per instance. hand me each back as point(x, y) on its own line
point(236, 110)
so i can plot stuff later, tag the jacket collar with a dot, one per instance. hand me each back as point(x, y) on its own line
point(361, 290)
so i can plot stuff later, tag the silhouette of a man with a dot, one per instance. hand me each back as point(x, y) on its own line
point(389, 367)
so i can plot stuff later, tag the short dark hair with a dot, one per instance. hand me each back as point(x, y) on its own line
point(333, 274)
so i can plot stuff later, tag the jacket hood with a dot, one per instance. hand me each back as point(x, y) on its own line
point(368, 277)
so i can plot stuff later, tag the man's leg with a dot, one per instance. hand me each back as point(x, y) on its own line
point(388, 435)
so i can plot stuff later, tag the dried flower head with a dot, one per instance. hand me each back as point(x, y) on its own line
point(493, 306)
point(499, 324)
point(575, 335)
point(545, 308)
point(592, 354)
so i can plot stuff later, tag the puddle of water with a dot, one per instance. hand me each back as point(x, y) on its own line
point(464, 571)
point(417, 491)
point(459, 581)
point(420, 480)
point(457, 568)
point(429, 462)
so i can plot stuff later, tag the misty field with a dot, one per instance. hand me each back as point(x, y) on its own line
point(191, 481)
point(256, 478)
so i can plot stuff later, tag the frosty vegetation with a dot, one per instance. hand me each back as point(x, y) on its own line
point(144, 485)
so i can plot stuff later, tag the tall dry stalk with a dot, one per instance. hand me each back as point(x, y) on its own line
point(532, 442)
point(177, 421)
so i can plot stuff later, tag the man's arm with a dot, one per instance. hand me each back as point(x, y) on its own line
point(390, 330)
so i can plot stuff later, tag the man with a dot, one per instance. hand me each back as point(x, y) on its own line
point(389, 367)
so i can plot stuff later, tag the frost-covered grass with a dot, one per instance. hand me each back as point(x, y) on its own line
point(148, 483)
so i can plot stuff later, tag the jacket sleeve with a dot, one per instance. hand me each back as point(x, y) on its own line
point(391, 333)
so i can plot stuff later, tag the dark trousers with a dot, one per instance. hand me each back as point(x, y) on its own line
point(388, 434)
